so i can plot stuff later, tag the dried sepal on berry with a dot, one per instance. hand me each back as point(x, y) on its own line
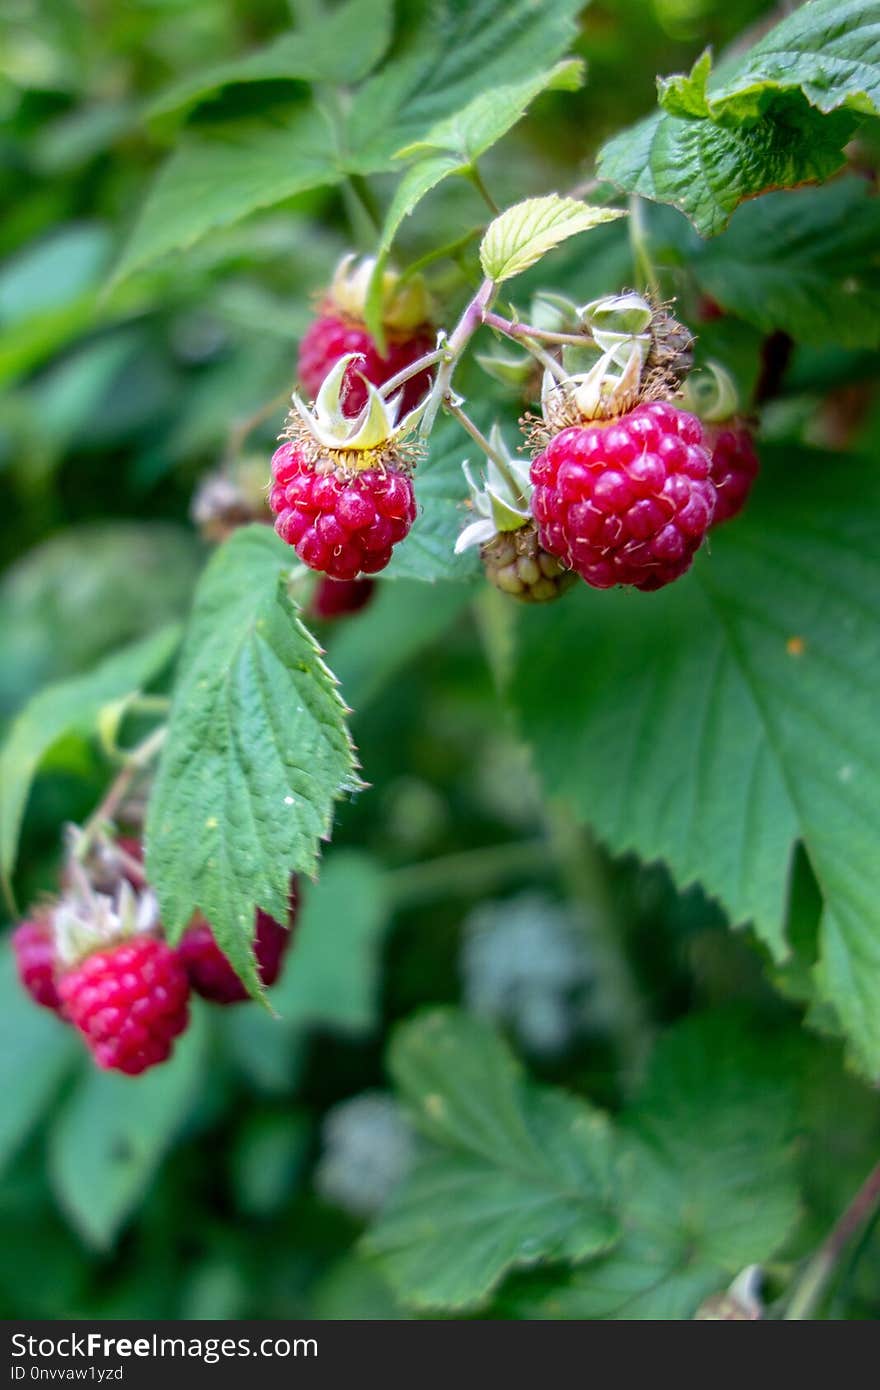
point(84, 921)
point(340, 328)
point(639, 353)
point(405, 304)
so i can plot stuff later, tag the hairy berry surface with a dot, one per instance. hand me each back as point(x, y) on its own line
point(210, 972)
point(331, 336)
point(129, 1001)
point(34, 949)
point(342, 522)
point(627, 501)
point(734, 466)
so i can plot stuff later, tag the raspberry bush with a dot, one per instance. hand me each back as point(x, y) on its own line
point(440, 620)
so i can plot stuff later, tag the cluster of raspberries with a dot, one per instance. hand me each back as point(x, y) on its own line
point(129, 999)
point(625, 500)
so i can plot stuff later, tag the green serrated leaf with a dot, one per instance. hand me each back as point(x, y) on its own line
point(71, 706)
point(219, 175)
point(33, 1043)
point(452, 53)
point(521, 1174)
point(257, 754)
point(779, 115)
point(804, 261)
point(340, 47)
point(111, 1135)
point(706, 1175)
point(526, 232)
point(452, 146)
point(479, 125)
point(333, 979)
point(703, 726)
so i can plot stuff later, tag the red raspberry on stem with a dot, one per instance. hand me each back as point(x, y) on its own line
point(735, 465)
point(129, 1002)
point(34, 946)
point(120, 984)
point(339, 598)
point(344, 523)
point(209, 970)
point(341, 490)
point(340, 331)
point(626, 500)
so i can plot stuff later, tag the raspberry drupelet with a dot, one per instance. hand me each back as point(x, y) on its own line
point(627, 500)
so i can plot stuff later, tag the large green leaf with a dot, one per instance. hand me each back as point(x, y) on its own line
point(221, 173)
point(715, 723)
point(519, 1174)
point(455, 51)
point(257, 753)
point(777, 116)
point(707, 1180)
point(33, 1044)
point(111, 1135)
point(453, 144)
point(342, 46)
point(804, 261)
point(71, 706)
point(332, 978)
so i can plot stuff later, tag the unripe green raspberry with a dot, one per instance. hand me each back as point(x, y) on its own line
point(515, 563)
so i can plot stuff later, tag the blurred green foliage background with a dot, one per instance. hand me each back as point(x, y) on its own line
point(213, 1189)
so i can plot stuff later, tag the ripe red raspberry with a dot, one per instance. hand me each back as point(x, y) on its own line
point(338, 598)
point(628, 500)
point(34, 948)
point(129, 1001)
point(333, 334)
point(344, 522)
point(734, 466)
point(209, 971)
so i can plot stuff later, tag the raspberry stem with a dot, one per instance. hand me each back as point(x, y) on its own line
point(809, 1289)
point(512, 328)
point(471, 319)
point(430, 359)
point(136, 762)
